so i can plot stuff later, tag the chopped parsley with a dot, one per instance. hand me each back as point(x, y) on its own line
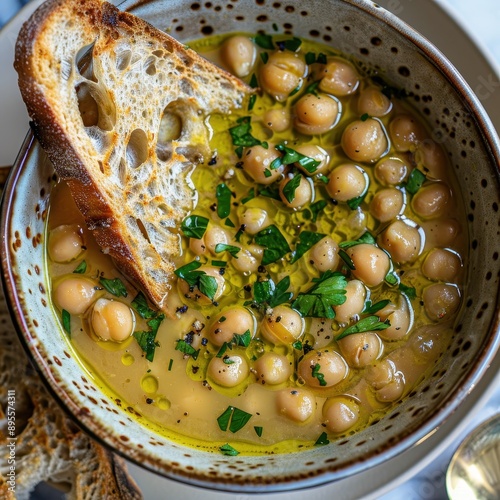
point(307, 239)
point(373, 308)
point(249, 196)
point(318, 375)
point(223, 247)
point(142, 308)
point(242, 136)
point(274, 243)
point(223, 195)
point(66, 321)
point(268, 294)
point(186, 348)
point(206, 284)
point(347, 260)
point(368, 324)
point(290, 187)
point(316, 208)
point(81, 268)
point(365, 238)
point(227, 449)
point(258, 430)
point(409, 291)
point(194, 226)
point(114, 286)
point(415, 181)
point(233, 419)
point(291, 156)
point(264, 41)
point(147, 339)
point(322, 440)
point(328, 290)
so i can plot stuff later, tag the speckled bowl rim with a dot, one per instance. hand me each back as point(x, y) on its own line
point(481, 364)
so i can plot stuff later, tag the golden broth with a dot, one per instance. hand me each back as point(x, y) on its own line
point(173, 393)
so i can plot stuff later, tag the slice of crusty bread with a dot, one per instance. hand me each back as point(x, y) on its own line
point(104, 117)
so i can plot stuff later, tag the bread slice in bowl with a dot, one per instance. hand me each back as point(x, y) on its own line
point(120, 109)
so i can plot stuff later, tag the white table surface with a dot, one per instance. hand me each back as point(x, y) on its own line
point(481, 20)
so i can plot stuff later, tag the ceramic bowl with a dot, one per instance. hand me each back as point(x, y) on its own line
point(377, 40)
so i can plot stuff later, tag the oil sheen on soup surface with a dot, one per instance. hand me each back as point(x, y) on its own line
point(319, 275)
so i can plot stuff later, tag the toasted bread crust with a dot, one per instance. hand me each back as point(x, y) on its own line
point(98, 118)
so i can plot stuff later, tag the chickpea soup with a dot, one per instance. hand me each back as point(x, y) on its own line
point(319, 275)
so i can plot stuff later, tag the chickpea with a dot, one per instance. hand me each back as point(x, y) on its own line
point(283, 72)
point(65, 242)
point(112, 320)
point(400, 319)
point(75, 294)
point(339, 77)
point(373, 102)
point(283, 325)
point(230, 322)
point(277, 119)
point(406, 132)
point(441, 300)
point(194, 294)
point(228, 371)
point(245, 262)
point(361, 349)
point(198, 246)
point(303, 192)
point(364, 140)
point(431, 200)
point(441, 232)
point(391, 171)
point(296, 404)
point(371, 263)
point(346, 182)
point(354, 303)
point(213, 236)
point(432, 158)
point(316, 114)
point(322, 368)
point(387, 204)
point(239, 53)
point(315, 152)
point(386, 380)
point(254, 219)
point(257, 161)
point(340, 413)
point(324, 255)
point(273, 368)
point(441, 265)
point(402, 241)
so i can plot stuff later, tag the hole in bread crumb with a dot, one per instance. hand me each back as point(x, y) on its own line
point(137, 148)
point(150, 66)
point(170, 130)
point(96, 106)
point(84, 62)
point(142, 229)
point(123, 58)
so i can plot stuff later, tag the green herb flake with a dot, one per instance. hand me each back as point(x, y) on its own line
point(297, 345)
point(307, 239)
point(242, 339)
point(318, 375)
point(194, 226)
point(182, 346)
point(229, 223)
point(347, 260)
point(80, 268)
point(316, 208)
point(328, 290)
point(312, 88)
point(368, 324)
point(140, 305)
point(241, 134)
point(233, 419)
point(264, 41)
point(219, 263)
point(367, 237)
point(291, 156)
point(258, 430)
point(249, 196)
point(267, 293)
point(114, 286)
point(206, 284)
point(227, 360)
point(365, 117)
point(251, 102)
point(170, 363)
point(323, 178)
point(274, 243)
point(223, 195)
point(310, 58)
point(227, 449)
point(292, 44)
point(354, 203)
point(290, 187)
point(66, 321)
point(409, 291)
point(223, 247)
point(391, 278)
point(322, 440)
point(147, 339)
point(321, 58)
point(373, 308)
point(415, 181)
point(264, 56)
point(253, 81)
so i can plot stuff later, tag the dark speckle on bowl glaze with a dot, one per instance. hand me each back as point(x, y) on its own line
point(378, 44)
